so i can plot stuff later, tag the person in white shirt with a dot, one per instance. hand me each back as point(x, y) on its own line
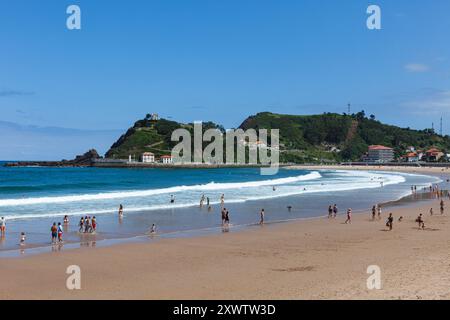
point(2, 225)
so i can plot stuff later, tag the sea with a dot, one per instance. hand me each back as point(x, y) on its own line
point(32, 198)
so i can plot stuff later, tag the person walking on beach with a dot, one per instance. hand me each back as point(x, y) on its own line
point(349, 216)
point(390, 221)
point(2, 226)
point(442, 206)
point(54, 231)
point(379, 211)
point(81, 225)
point(335, 210)
point(94, 224)
point(227, 218)
point(87, 224)
point(60, 232)
point(153, 229)
point(431, 211)
point(261, 214)
point(330, 211)
point(374, 212)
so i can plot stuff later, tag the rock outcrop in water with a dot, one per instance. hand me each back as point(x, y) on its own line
point(84, 160)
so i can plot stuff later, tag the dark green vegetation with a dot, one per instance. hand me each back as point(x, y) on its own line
point(327, 137)
point(150, 136)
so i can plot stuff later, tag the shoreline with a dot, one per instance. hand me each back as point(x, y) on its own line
point(33, 248)
point(318, 258)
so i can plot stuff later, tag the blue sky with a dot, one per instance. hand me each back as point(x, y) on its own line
point(215, 60)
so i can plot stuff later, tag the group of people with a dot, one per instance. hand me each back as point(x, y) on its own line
point(87, 224)
point(332, 211)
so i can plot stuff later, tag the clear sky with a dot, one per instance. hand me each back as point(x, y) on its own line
point(216, 60)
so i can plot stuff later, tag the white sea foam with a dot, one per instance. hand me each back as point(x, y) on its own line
point(212, 186)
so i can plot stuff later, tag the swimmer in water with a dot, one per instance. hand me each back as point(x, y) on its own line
point(172, 198)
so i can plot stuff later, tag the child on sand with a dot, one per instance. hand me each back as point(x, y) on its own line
point(420, 221)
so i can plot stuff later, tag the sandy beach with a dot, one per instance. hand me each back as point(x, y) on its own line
point(315, 259)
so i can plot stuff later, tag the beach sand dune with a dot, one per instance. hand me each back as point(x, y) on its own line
point(314, 259)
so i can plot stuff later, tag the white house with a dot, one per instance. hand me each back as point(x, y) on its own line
point(166, 159)
point(148, 157)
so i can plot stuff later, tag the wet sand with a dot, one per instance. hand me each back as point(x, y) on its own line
point(313, 259)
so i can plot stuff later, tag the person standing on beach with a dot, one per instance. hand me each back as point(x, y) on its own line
point(431, 211)
point(224, 210)
point(2, 226)
point(330, 211)
point(379, 211)
point(60, 232)
point(153, 229)
point(120, 211)
point(374, 212)
point(349, 216)
point(442, 207)
point(222, 199)
point(54, 231)
point(261, 214)
point(335, 210)
point(390, 221)
point(202, 199)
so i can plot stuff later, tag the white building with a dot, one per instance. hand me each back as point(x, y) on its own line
point(148, 157)
point(379, 153)
point(166, 159)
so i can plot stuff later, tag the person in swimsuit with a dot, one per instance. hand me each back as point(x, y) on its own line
point(2, 226)
point(390, 221)
point(442, 207)
point(153, 229)
point(224, 210)
point(349, 216)
point(374, 212)
point(54, 231)
point(172, 199)
point(222, 199)
point(120, 210)
point(60, 232)
point(261, 214)
point(379, 212)
point(335, 210)
point(330, 211)
point(227, 218)
point(94, 224)
point(81, 225)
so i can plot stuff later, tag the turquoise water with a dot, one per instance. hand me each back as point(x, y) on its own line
point(32, 198)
